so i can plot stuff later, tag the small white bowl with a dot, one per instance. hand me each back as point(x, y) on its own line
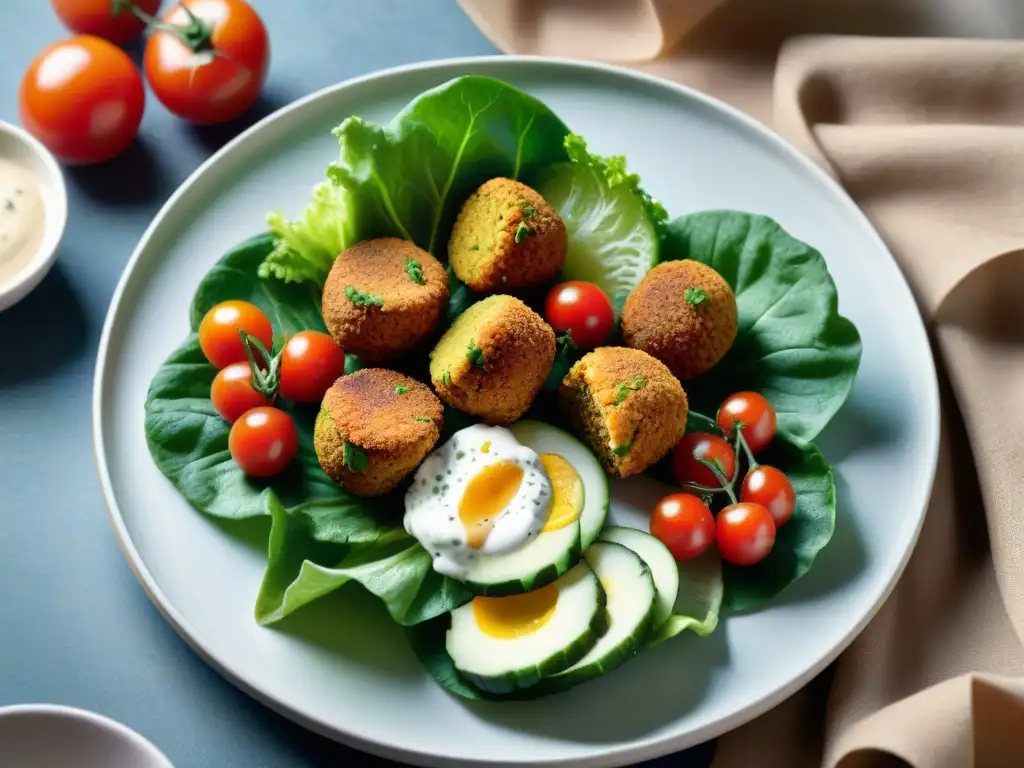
point(20, 147)
point(52, 736)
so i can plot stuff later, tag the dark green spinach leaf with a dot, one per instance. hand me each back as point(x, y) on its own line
point(798, 542)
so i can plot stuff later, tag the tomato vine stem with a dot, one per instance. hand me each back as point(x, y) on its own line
point(197, 35)
point(266, 377)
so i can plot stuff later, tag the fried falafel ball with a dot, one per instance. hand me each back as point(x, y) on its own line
point(626, 405)
point(683, 313)
point(505, 238)
point(374, 427)
point(494, 359)
point(384, 297)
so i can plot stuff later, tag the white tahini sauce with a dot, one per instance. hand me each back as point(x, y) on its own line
point(22, 220)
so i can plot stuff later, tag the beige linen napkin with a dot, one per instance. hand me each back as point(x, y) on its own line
point(928, 138)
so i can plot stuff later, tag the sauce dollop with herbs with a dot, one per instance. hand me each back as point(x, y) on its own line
point(22, 220)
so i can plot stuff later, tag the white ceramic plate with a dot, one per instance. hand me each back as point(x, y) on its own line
point(339, 666)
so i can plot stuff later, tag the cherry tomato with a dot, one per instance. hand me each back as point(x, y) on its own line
point(263, 441)
point(110, 19)
point(686, 466)
point(219, 74)
point(755, 416)
point(218, 332)
point(745, 533)
point(684, 524)
point(770, 488)
point(581, 308)
point(232, 393)
point(83, 98)
point(310, 363)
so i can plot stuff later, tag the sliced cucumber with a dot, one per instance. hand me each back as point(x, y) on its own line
point(544, 438)
point(663, 566)
point(611, 240)
point(504, 664)
point(533, 565)
point(631, 603)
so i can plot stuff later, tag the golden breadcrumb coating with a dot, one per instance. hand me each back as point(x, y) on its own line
point(684, 314)
point(626, 405)
point(494, 359)
point(505, 238)
point(393, 420)
point(384, 297)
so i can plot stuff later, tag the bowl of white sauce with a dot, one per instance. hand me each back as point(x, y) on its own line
point(53, 736)
point(33, 213)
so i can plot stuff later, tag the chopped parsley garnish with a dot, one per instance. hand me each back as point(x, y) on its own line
point(401, 389)
point(522, 232)
point(415, 271)
point(695, 296)
point(475, 247)
point(355, 458)
point(446, 378)
point(622, 450)
point(564, 343)
point(638, 383)
point(474, 354)
point(424, 419)
point(528, 210)
point(361, 299)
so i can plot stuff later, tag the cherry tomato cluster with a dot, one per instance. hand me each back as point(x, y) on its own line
point(205, 60)
point(237, 338)
point(706, 464)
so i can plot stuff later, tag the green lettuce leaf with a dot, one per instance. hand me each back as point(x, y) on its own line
point(409, 178)
point(397, 569)
point(306, 248)
point(699, 600)
point(614, 171)
point(792, 346)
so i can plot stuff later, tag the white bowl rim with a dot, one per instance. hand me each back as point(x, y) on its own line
point(100, 722)
point(55, 203)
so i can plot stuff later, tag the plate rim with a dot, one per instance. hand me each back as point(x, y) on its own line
point(613, 756)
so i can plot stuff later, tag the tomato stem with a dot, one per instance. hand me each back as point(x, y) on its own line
point(701, 488)
point(266, 378)
point(741, 442)
point(707, 420)
point(720, 475)
point(196, 34)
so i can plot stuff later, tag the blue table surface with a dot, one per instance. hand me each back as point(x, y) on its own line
point(75, 627)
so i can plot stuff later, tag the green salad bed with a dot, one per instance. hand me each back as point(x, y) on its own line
point(408, 179)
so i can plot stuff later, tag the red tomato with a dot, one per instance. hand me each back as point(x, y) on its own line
point(263, 441)
point(683, 523)
point(745, 533)
point(110, 19)
point(754, 415)
point(686, 466)
point(218, 332)
point(232, 393)
point(583, 309)
point(83, 99)
point(310, 363)
point(219, 73)
point(770, 488)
